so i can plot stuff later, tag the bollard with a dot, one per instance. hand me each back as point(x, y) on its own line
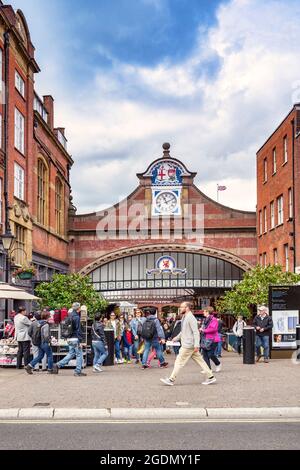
point(249, 345)
point(110, 340)
point(298, 340)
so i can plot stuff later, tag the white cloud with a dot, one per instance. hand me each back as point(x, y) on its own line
point(214, 123)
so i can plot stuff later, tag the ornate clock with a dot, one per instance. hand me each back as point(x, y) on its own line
point(166, 202)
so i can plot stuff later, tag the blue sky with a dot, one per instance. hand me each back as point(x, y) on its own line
point(212, 77)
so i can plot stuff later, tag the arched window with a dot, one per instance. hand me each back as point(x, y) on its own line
point(59, 206)
point(42, 193)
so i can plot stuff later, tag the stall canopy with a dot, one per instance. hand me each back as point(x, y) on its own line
point(11, 292)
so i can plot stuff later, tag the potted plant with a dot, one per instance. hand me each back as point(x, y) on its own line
point(25, 272)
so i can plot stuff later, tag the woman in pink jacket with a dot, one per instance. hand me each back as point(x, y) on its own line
point(210, 339)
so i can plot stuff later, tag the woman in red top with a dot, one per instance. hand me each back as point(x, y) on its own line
point(128, 341)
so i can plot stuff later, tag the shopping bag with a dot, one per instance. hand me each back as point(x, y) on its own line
point(141, 348)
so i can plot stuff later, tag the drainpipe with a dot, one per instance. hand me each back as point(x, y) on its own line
point(6, 130)
point(293, 194)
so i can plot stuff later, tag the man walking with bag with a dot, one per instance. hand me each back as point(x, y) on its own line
point(190, 340)
point(74, 337)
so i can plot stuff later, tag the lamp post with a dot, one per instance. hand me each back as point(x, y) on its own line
point(7, 241)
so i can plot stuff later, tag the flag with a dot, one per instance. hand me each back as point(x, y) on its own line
point(221, 188)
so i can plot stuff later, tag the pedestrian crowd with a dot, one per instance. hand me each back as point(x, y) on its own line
point(140, 338)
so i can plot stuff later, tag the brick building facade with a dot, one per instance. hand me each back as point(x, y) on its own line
point(278, 189)
point(35, 155)
point(116, 246)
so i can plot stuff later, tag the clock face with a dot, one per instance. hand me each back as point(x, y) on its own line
point(166, 202)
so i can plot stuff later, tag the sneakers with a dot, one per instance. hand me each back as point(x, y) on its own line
point(28, 369)
point(50, 371)
point(55, 369)
point(79, 374)
point(120, 361)
point(97, 368)
point(145, 366)
point(167, 381)
point(209, 381)
point(218, 368)
point(163, 365)
point(129, 362)
point(266, 360)
point(137, 361)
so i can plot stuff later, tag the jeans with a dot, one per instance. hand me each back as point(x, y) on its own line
point(264, 342)
point(128, 352)
point(75, 350)
point(100, 353)
point(211, 354)
point(44, 348)
point(176, 350)
point(23, 350)
point(117, 349)
point(35, 351)
point(219, 349)
point(157, 346)
point(239, 340)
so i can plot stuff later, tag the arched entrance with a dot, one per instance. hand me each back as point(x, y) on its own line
point(193, 273)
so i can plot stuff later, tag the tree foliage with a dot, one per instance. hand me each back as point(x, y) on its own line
point(64, 289)
point(254, 289)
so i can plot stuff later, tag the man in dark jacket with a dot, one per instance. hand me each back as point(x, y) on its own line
point(99, 344)
point(263, 325)
point(75, 349)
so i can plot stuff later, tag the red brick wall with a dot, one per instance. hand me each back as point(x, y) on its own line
point(229, 230)
point(268, 191)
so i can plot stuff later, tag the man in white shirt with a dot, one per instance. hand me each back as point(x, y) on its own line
point(190, 343)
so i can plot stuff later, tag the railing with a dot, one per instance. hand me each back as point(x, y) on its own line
point(40, 108)
point(61, 138)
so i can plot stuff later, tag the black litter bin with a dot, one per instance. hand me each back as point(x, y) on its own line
point(249, 345)
point(298, 341)
point(110, 340)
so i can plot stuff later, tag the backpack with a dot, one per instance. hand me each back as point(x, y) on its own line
point(139, 328)
point(148, 329)
point(35, 333)
point(67, 328)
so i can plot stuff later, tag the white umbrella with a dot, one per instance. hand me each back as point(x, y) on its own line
point(11, 292)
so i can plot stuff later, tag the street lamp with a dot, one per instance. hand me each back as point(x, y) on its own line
point(7, 241)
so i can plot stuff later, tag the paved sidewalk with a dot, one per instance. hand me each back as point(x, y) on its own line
point(127, 386)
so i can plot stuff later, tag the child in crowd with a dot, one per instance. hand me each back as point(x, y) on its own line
point(128, 341)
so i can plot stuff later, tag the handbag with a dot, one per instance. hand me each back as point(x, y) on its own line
point(206, 344)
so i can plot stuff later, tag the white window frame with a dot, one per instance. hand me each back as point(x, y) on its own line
point(260, 222)
point(280, 210)
point(286, 256)
point(265, 259)
point(275, 256)
point(272, 214)
point(290, 195)
point(19, 131)
point(265, 220)
point(285, 150)
point(1, 201)
point(19, 181)
point(274, 161)
point(265, 170)
point(1, 70)
point(19, 84)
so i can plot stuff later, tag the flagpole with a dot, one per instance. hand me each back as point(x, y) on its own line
point(217, 192)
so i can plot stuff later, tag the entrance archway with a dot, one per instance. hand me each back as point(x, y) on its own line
point(126, 274)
